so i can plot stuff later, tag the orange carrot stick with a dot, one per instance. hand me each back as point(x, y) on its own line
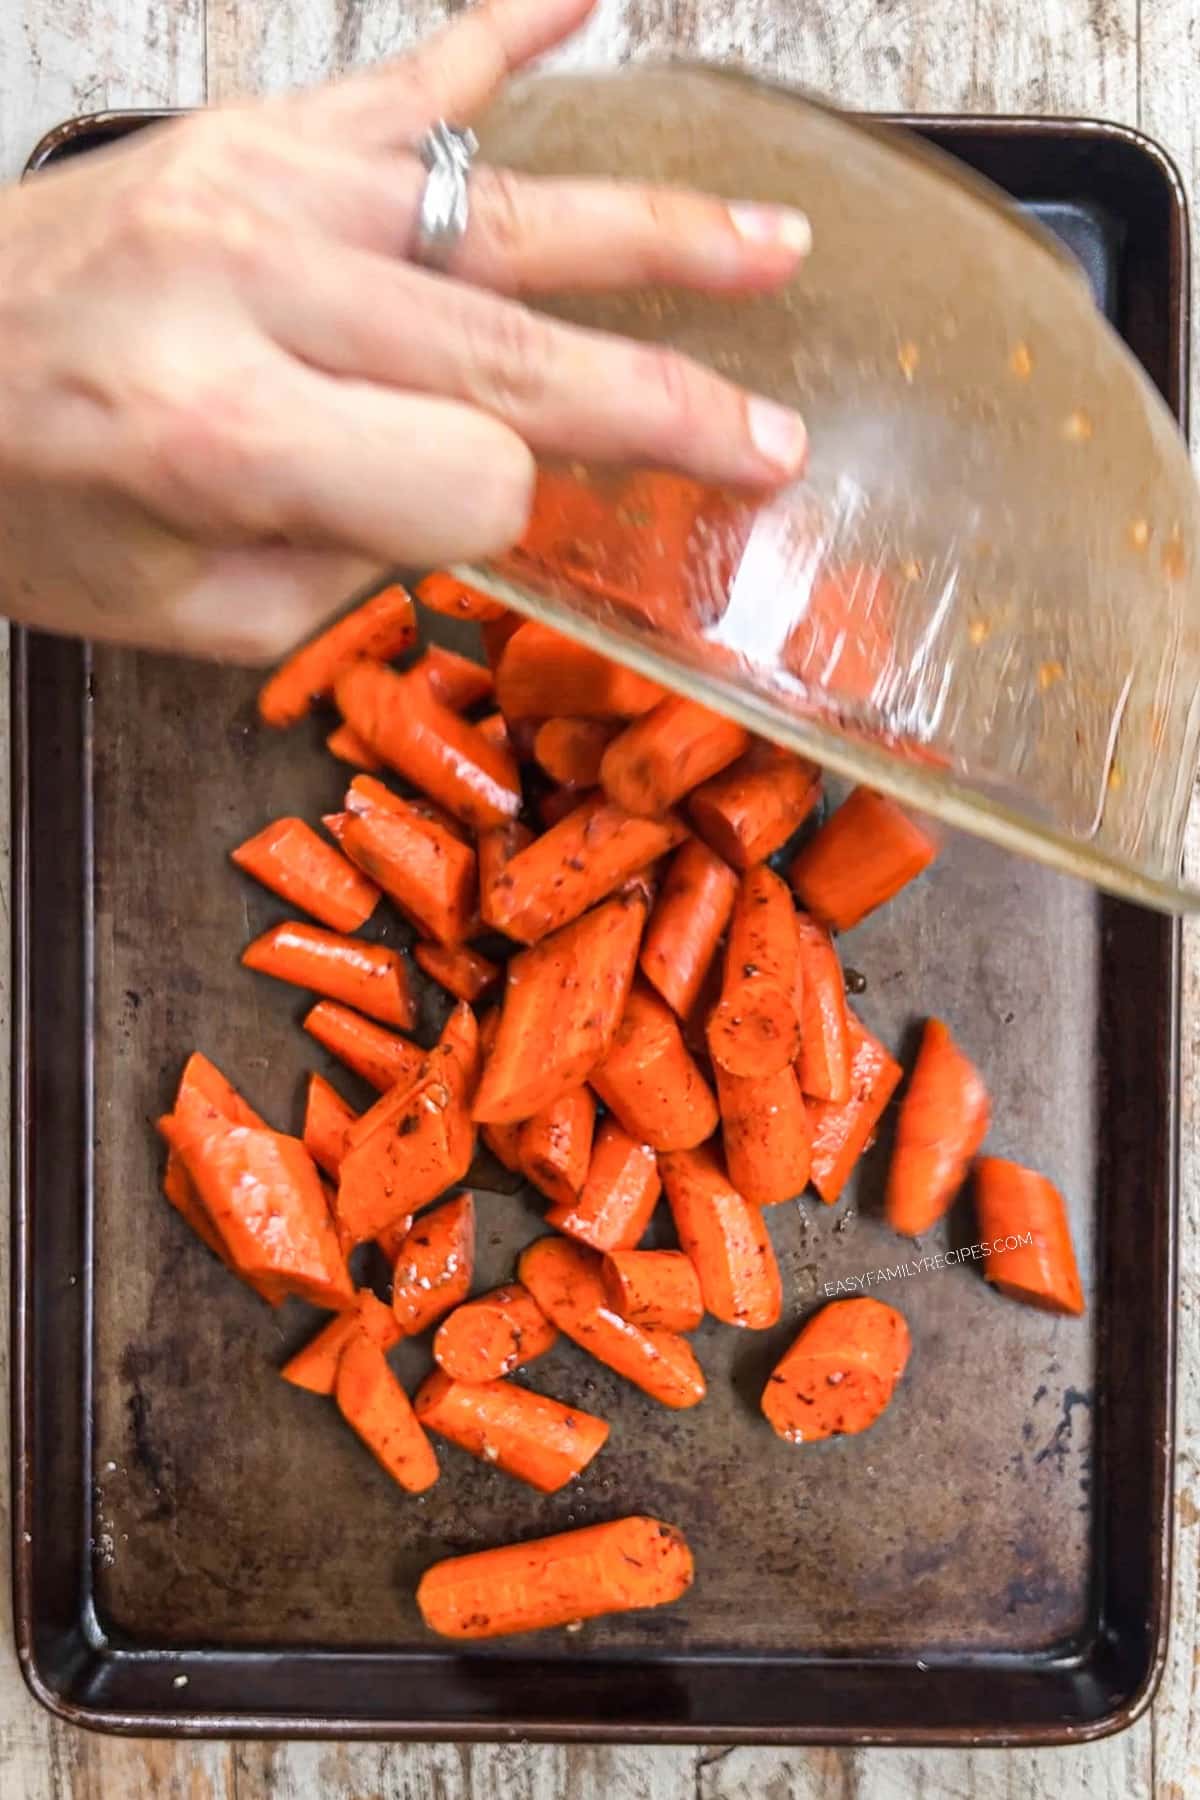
point(1012, 1202)
point(650, 1081)
point(374, 1405)
point(455, 680)
point(444, 593)
point(326, 1119)
point(348, 747)
point(204, 1081)
point(666, 753)
point(366, 976)
point(504, 1141)
point(491, 1336)
point(432, 1273)
point(687, 924)
point(495, 729)
point(755, 1029)
point(579, 861)
point(555, 804)
point(570, 750)
point(862, 856)
point(839, 1374)
point(420, 866)
point(462, 972)
point(402, 721)
point(725, 1238)
point(544, 675)
point(365, 795)
point(496, 633)
point(565, 1280)
point(528, 1435)
point(562, 1002)
point(611, 1568)
point(752, 809)
point(653, 1287)
point(496, 848)
point(944, 1118)
point(377, 1055)
point(314, 1368)
point(764, 1125)
point(823, 1064)
point(382, 627)
point(618, 1198)
point(390, 1241)
point(555, 1146)
point(840, 1134)
point(289, 858)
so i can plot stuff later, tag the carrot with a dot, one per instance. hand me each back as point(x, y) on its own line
point(374, 1405)
point(496, 848)
point(570, 750)
point(289, 858)
point(526, 1434)
point(366, 794)
point(840, 1134)
point(562, 1002)
point(764, 1125)
point(944, 1118)
point(462, 972)
point(842, 645)
point(839, 1374)
point(504, 1141)
point(823, 1064)
point(554, 805)
point(382, 627)
point(326, 1118)
point(725, 1238)
point(495, 730)
point(369, 977)
point(616, 1567)
point(544, 675)
point(755, 1028)
point(445, 594)
point(579, 861)
point(455, 680)
point(566, 1282)
point(618, 1198)
point(496, 633)
point(420, 866)
point(402, 722)
point(653, 1287)
point(204, 1081)
point(555, 1146)
point(314, 1368)
point(348, 747)
point(433, 1270)
point(650, 1081)
point(752, 809)
point(862, 856)
point(666, 753)
point(491, 1336)
point(687, 924)
point(1014, 1202)
point(390, 1241)
point(381, 1058)
point(415, 1142)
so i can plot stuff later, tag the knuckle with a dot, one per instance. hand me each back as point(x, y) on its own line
point(189, 210)
point(207, 452)
point(508, 360)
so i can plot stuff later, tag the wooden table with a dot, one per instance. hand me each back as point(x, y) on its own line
point(1137, 61)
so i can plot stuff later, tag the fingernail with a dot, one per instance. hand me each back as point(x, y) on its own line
point(777, 434)
point(772, 225)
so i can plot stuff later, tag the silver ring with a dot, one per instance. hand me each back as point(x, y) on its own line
point(446, 152)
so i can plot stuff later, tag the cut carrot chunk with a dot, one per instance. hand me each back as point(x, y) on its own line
point(491, 1336)
point(528, 1435)
point(420, 866)
point(618, 1198)
point(382, 627)
point(495, 729)
point(943, 1120)
point(455, 680)
point(432, 1273)
point(462, 972)
point(327, 1117)
point(842, 647)
point(755, 1029)
point(649, 1079)
point(496, 633)
point(570, 750)
point(840, 1134)
point(764, 1125)
point(654, 1287)
point(314, 1368)
point(348, 747)
point(662, 756)
point(1019, 1204)
point(687, 924)
point(555, 1146)
point(202, 1081)
point(839, 1374)
point(444, 593)
point(725, 1238)
point(378, 1056)
point(544, 675)
point(823, 1064)
point(862, 856)
point(390, 1241)
point(368, 977)
point(289, 858)
point(750, 811)
point(373, 1403)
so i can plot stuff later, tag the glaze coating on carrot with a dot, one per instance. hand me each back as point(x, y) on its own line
point(377, 1055)
point(289, 858)
point(755, 1028)
point(373, 1403)
point(327, 1118)
point(618, 1198)
point(570, 750)
point(666, 753)
point(751, 810)
point(490, 1336)
point(764, 1126)
point(455, 680)
point(840, 1134)
point(861, 857)
point(544, 675)
point(687, 924)
point(462, 972)
point(496, 848)
point(839, 1374)
point(432, 1272)
point(420, 866)
point(650, 1081)
point(654, 1287)
point(823, 1064)
point(443, 593)
point(368, 977)
point(348, 747)
point(617, 1567)
point(725, 1238)
point(565, 1280)
point(403, 722)
point(944, 1118)
point(1014, 1202)
point(555, 1146)
point(381, 628)
point(314, 1368)
point(528, 1435)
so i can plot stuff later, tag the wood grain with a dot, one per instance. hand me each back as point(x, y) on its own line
point(1120, 58)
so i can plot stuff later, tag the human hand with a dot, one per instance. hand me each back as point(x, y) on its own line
point(227, 398)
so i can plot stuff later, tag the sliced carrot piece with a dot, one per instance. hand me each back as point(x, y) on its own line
point(496, 633)
point(862, 856)
point(205, 1081)
point(764, 1125)
point(755, 1029)
point(367, 794)
point(663, 755)
point(462, 972)
point(618, 1198)
point(570, 750)
point(751, 810)
point(497, 847)
point(842, 645)
point(444, 593)
point(377, 1055)
point(823, 1064)
point(840, 1134)
point(544, 675)
point(944, 1118)
point(617, 1567)
point(528, 1435)
point(565, 1280)
point(649, 1079)
point(553, 806)
point(374, 1405)
point(492, 1335)
point(369, 977)
point(288, 857)
point(455, 680)
point(420, 866)
point(348, 747)
point(725, 1238)
point(839, 1374)
point(555, 1146)
point(382, 627)
point(390, 1241)
point(504, 1141)
point(432, 1273)
point(314, 1368)
point(654, 1287)
point(1013, 1202)
point(495, 729)
point(327, 1118)
point(687, 924)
